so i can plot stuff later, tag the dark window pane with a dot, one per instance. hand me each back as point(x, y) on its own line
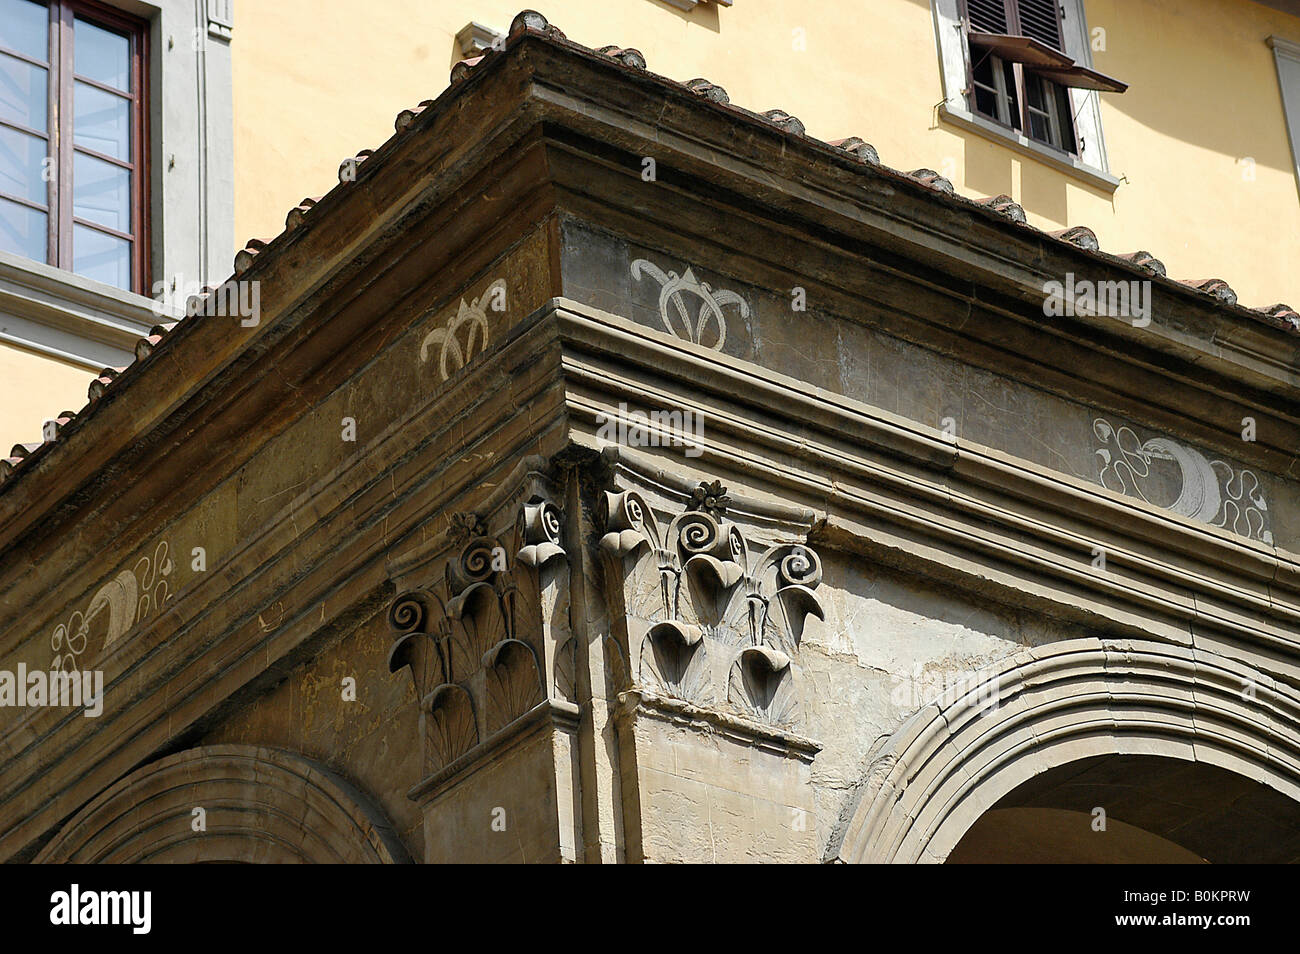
point(101, 55)
point(1065, 116)
point(25, 27)
point(101, 192)
point(105, 258)
point(22, 230)
point(986, 102)
point(21, 165)
point(1039, 128)
point(1034, 92)
point(1013, 107)
point(102, 122)
point(23, 95)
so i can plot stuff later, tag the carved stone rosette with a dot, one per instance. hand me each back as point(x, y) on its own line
point(719, 623)
point(480, 642)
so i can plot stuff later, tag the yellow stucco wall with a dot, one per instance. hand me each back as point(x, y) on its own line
point(316, 80)
point(34, 389)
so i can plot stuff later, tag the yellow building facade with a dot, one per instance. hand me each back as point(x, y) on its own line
point(1199, 167)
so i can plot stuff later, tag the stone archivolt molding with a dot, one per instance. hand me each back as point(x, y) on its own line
point(480, 642)
point(925, 785)
point(261, 805)
point(706, 601)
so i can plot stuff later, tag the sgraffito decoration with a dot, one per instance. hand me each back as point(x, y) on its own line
point(465, 334)
point(708, 325)
point(715, 596)
point(472, 641)
point(1211, 491)
point(119, 604)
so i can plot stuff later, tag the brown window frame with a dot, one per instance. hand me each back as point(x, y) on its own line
point(60, 142)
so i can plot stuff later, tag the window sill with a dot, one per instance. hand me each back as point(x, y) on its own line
point(1063, 162)
point(62, 315)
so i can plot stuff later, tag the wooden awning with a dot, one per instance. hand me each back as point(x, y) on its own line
point(1047, 62)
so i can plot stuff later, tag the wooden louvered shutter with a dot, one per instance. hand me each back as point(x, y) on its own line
point(988, 16)
point(1040, 19)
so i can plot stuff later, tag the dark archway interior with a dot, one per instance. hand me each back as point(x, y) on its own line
point(1158, 810)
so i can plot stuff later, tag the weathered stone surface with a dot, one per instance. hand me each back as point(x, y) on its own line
point(927, 546)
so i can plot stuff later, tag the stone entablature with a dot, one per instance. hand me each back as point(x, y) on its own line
point(401, 468)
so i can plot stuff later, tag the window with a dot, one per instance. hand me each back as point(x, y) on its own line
point(73, 142)
point(1020, 72)
point(1287, 56)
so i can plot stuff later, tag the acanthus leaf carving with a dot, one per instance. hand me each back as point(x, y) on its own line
point(756, 606)
point(479, 628)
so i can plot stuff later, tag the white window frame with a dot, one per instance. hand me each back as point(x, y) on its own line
point(1287, 55)
point(59, 314)
point(1090, 164)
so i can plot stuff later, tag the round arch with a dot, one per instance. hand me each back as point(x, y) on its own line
point(261, 805)
point(956, 758)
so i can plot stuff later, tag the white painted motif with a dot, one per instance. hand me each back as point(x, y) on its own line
point(1211, 490)
point(464, 336)
point(127, 598)
point(673, 310)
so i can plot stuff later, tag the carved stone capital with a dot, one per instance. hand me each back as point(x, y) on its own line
point(710, 617)
point(477, 638)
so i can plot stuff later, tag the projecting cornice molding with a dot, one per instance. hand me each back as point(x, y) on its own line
point(74, 319)
point(960, 512)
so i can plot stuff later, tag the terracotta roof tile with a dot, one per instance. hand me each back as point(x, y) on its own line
point(348, 167)
point(296, 214)
point(460, 71)
point(710, 91)
point(791, 124)
point(102, 382)
point(244, 257)
point(1005, 205)
point(932, 179)
point(856, 146)
point(1146, 261)
point(628, 57)
point(1214, 286)
point(407, 116)
point(535, 22)
point(1079, 235)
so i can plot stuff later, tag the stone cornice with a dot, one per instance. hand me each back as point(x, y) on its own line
point(955, 510)
point(808, 182)
point(551, 713)
point(642, 703)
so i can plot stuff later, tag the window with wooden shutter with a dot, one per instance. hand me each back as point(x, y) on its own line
point(1020, 73)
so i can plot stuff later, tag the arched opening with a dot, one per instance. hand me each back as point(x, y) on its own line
point(227, 804)
point(1125, 809)
point(1193, 751)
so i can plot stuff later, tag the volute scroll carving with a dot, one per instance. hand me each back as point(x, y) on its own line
point(478, 640)
point(715, 594)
